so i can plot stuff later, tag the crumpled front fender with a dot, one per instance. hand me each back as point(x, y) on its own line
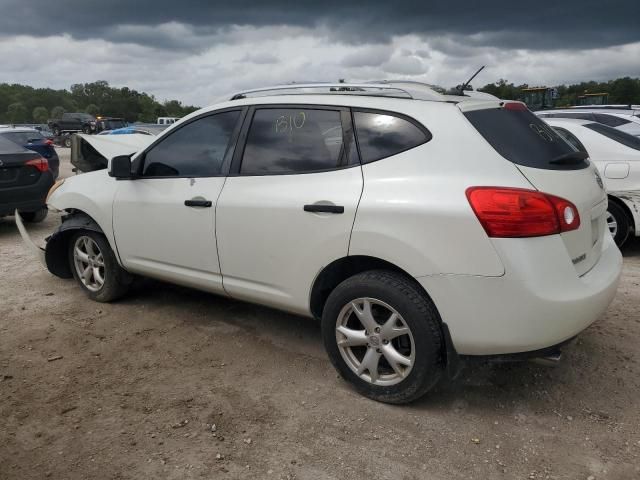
point(56, 251)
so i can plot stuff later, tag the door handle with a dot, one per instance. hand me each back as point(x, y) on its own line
point(198, 203)
point(324, 208)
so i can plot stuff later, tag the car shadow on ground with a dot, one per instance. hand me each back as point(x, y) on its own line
point(480, 384)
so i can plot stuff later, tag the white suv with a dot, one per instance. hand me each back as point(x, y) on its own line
point(416, 226)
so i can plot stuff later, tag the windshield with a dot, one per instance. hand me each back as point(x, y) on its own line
point(616, 135)
point(22, 138)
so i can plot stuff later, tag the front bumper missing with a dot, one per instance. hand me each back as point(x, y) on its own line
point(35, 249)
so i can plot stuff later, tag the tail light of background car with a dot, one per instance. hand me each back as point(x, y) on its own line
point(517, 212)
point(39, 163)
point(49, 142)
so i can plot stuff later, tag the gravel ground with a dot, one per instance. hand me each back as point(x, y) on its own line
point(174, 383)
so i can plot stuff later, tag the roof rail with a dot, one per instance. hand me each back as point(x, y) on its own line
point(382, 89)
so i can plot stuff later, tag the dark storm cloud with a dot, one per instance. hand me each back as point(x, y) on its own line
point(532, 25)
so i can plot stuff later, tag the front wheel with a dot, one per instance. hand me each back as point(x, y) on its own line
point(618, 223)
point(95, 267)
point(382, 333)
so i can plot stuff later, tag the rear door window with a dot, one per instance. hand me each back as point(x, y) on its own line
point(293, 140)
point(383, 134)
point(523, 138)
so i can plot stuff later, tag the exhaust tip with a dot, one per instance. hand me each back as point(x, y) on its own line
point(551, 360)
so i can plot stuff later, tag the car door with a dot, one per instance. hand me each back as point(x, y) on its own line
point(164, 220)
point(288, 205)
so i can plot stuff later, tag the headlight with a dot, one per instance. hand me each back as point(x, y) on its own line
point(53, 188)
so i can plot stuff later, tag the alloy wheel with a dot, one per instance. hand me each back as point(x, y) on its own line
point(375, 342)
point(89, 263)
point(612, 224)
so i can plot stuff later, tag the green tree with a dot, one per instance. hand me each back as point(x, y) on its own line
point(92, 109)
point(56, 112)
point(40, 115)
point(17, 113)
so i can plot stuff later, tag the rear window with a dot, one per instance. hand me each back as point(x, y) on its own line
point(523, 138)
point(616, 135)
point(382, 135)
point(22, 138)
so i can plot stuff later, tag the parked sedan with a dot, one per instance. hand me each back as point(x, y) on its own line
point(617, 156)
point(25, 179)
point(36, 141)
point(620, 119)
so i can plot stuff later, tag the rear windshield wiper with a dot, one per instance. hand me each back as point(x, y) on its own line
point(571, 158)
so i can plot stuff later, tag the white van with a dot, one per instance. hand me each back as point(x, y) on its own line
point(167, 120)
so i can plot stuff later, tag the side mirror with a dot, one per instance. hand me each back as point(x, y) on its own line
point(121, 167)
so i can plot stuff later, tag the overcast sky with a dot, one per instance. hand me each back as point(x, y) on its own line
point(195, 51)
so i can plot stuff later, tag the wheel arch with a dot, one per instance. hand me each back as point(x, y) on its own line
point(56, 250)
point(622, 203)
point(341, 269)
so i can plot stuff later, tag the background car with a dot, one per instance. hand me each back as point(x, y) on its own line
point(140, 128)
point(34, 140)
point(617, 156)
point(25, 180)
point(620, 119)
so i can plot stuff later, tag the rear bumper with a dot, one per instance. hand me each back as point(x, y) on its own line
point(538, 303)
point(27, 198)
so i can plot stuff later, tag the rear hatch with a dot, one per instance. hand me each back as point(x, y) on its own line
point(552, 166)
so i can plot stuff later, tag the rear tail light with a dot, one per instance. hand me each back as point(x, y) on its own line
point(517, 212)
point(40, 163)
point(49, 142)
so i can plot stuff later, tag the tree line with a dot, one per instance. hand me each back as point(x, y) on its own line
point(624, 90)
point(25, 104)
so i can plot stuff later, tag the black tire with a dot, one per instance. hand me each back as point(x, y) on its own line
point(35, 217)
point(623, 225)
point(56, 131)
point(67, 141)
point(419, 314)
point(116, 280)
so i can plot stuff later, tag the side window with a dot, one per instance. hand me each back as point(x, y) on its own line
point(288, 140)
point(610, 120)
point(382, 135)
point(194, 150)
point(571, 139)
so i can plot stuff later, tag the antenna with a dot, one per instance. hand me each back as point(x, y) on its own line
point(461, 88)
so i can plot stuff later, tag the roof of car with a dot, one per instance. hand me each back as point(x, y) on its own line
point(405, 89)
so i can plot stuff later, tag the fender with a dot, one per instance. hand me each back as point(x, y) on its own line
point(55, 253)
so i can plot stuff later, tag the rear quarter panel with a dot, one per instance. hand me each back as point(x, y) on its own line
point(414, 211)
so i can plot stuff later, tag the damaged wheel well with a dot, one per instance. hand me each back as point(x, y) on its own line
point(56, 250)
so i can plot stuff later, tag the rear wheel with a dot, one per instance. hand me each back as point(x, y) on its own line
point(67, 141)
point(95, 267)
point(382, 334)
point(56, 131)
point(35, 217)
point(618, 223)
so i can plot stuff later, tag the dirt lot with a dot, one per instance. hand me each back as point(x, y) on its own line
point(132, 390)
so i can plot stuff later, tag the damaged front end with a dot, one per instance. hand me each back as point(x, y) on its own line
point(54, 255)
